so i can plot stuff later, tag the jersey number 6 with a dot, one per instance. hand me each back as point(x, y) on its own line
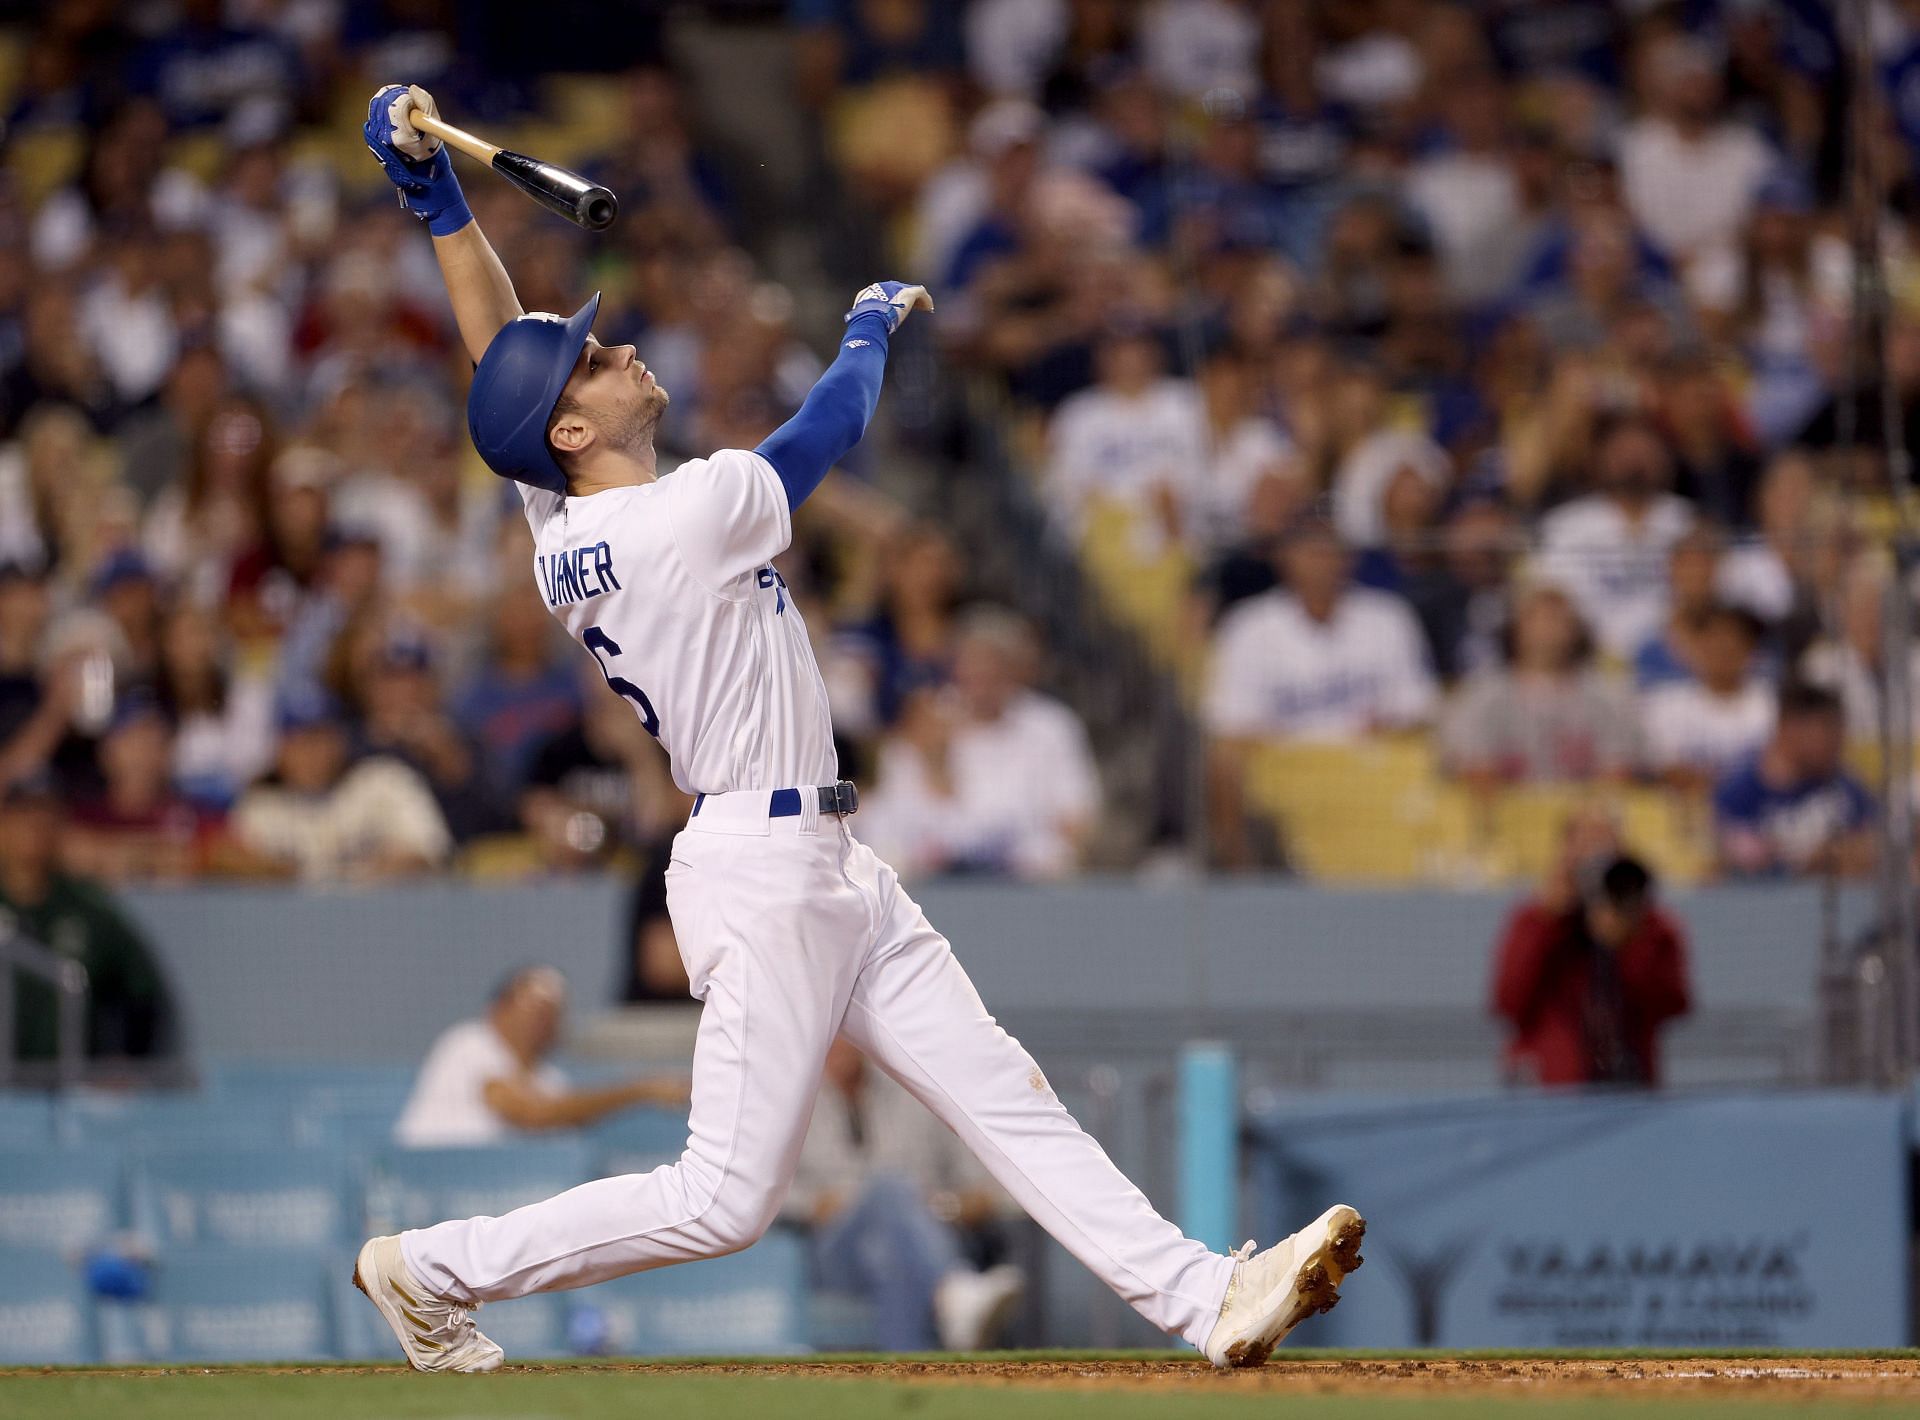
point(596, 641)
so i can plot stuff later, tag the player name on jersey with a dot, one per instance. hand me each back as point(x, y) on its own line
point(576, 574)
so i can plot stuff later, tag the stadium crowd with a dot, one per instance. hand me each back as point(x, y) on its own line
point(1483, 365)
point(262, 612)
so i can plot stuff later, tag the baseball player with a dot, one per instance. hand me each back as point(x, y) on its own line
point(792, 931)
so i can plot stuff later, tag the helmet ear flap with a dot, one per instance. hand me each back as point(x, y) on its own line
point(515, 389)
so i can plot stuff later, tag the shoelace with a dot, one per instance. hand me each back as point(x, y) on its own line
point(1240, 1255)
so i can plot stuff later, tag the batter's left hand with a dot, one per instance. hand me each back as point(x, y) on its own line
point(893, 300)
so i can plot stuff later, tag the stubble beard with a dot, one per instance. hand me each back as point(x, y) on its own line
point(633, 427)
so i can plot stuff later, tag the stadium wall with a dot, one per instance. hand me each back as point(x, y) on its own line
point(1286, 973)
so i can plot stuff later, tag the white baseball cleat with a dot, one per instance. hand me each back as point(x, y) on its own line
point(1274, 1292)
point(437, 1335)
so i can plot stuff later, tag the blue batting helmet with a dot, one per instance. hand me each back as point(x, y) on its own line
point(515, 388)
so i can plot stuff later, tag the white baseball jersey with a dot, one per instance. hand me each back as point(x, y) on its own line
point(1278, 672)
point(1614, 569)
point(1688, 726)
point(671, 586)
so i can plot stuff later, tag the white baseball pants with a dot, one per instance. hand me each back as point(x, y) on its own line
point(792, 932)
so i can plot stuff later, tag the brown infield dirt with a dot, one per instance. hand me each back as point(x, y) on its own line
point(1775, 1377)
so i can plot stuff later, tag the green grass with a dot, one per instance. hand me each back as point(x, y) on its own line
point(589, 1392)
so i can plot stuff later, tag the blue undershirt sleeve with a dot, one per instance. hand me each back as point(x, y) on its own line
point(835, 413)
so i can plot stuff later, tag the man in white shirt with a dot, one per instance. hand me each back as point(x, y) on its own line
point(1699, 729)
point(1609, 549)
point(489, 1080)
point(1133, 438)
point(1688, 176)
point(325, 817)
point(994, 776)
point(1319, 660)
point(1469, 192)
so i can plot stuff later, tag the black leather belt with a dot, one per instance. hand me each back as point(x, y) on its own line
point(838, 798)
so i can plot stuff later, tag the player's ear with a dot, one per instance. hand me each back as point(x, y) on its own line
point(569, 433)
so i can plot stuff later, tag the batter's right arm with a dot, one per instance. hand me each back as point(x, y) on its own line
point(482, 293)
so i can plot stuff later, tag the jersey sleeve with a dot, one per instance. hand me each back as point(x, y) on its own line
point(728, 514)
point(538, 504)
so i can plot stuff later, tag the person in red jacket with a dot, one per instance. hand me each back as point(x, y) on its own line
point(1588, 974)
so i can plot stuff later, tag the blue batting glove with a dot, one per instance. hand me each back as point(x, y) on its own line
point(415, 164)
point(892, 301)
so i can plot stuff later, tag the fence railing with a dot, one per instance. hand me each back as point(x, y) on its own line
point(69, 981)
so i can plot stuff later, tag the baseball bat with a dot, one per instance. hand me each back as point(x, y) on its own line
point(584, 203)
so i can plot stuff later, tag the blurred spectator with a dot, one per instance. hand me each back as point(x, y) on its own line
point(1469, 189)
point(320, 816)
point(524, 693)
point(1588, 972)
point(32, 718)
point(1717, 465)
point(138, 827)
point(1852, 660)
point(402, 717)
point(994, 777)
point(126, 590)
point(1244, 449)
point(676, 191)
point(1779, 295)
point(1322, 659)
point(889, 1195)
point(129, 1009)
point(1768, 576)
point(1463, 599)
point(199, 528)
point(489, 1081)
point(1134, 438)
point(1368, 468)
point(1701, 728)
point(1549, 715)
point(222, 713)
point(1693, 578)
point(906, 645)
point(1689, 174)
point(599, 785)
point(1609, 548)
point(1793, 808)
point(345, 595)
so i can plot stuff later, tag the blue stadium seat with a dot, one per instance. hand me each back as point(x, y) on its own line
point(752, 1303)
point(413, 1188)
point(279, 1198)
point(164, 1120)
point(45, 1315)
point(58, 1199)
point(26, 1119)
point(299, 1080)
point(639, 1140)
point(234, 1304)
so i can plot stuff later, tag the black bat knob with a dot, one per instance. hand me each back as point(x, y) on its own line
point(596, 209)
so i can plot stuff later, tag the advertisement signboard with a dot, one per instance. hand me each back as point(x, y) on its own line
point(1766, 1221)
